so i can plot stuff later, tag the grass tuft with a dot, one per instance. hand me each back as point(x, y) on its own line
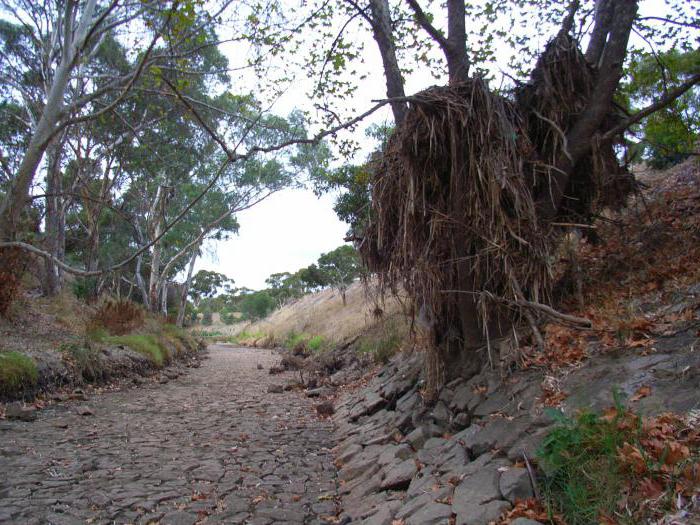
point(147, 345)
point(582, 478)
point(17, 371)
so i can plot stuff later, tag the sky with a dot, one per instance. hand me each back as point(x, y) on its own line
point(285, 232)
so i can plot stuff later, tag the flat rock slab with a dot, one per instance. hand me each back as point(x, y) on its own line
point(212, 446)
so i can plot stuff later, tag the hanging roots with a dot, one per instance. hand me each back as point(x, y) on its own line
point(454, 219)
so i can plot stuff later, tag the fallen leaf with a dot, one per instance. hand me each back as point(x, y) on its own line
point(650, 488)
point(642, 391)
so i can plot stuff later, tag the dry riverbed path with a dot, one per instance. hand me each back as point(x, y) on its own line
point(212, 446)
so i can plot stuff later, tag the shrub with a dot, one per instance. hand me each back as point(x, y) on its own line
point(207, 318)
point(17, 371)
point(118, 317)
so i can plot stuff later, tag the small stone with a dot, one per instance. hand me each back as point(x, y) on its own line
point(84, 411)
point(275, 389)
point(260, 367)
point(17, 412)
point(163, 380)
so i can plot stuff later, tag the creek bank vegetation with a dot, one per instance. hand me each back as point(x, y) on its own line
point(58, 344)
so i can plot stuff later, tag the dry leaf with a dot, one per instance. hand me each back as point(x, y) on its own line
point(642, 391)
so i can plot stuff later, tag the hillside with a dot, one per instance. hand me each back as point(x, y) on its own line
point(319, 314)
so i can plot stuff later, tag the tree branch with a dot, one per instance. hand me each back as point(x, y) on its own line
point(656, 106)
point(429, 28)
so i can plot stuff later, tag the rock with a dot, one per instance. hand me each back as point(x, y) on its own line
point(384, 514)
point(461, 421)
point(435, 514)
point(515, 484)
point(524, 521)
point(464, 399)
point(477, 489)
point(275, 389)
point(19, 413)
point(84, 411)
point(420, 435)
point(441, 414)
point(163, 380)
point(260, 367)
point(347, 451)
point(179, 518)
point(482, 514)
point(399, 477)
point(498, 433)
point(319, 392)
point(172, 374)
point(325, 409)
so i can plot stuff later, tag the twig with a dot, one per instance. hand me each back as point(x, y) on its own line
point(580, 321)
point(531, 474)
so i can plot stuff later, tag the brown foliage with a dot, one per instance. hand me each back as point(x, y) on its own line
point(119, 317)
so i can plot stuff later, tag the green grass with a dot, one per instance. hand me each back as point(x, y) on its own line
point(207, 333)
point(17, 371)
point(147, 345)
point(244, 335)
point(317, 343)
point(383, 348)
point(313, 343)
point(158, 346)
point(582, 474)
point(86, 358)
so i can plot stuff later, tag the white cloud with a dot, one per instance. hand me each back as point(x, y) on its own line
point(287, 231)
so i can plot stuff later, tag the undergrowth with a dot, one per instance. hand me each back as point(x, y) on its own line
point(382, 347)
point(301, 342)
point(618, 467)
point(86, 358)
point(160, 344)
point(17, 371)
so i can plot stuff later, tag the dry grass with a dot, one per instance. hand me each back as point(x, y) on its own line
point(320, 314)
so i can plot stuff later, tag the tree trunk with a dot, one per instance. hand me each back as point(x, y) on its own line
point(55, 236)
point(141, 283)
point(580, 138)
point(383, 35)
point(457, 59)
point(156, 215)
point(164, 298)
point(182, 307)
point(16, 198)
